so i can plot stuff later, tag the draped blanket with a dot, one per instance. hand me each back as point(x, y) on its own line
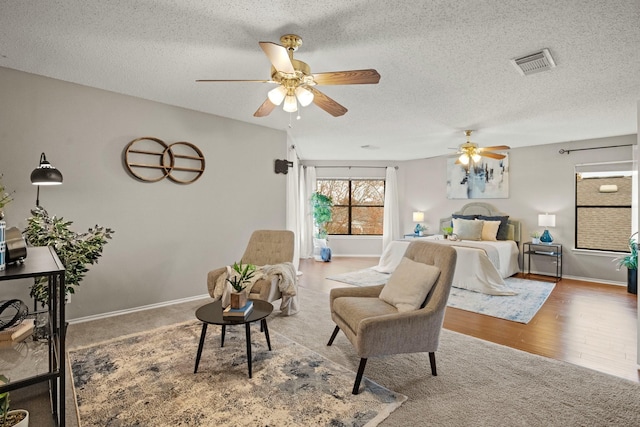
point(284, 274)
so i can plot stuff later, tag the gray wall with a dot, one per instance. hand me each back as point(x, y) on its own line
point(167, 235)
point(541, 180)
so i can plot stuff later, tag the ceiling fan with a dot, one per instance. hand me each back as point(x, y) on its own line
point(470, 151)
point(297, 84)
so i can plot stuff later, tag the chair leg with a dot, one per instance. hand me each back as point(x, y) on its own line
point(333, 335)
point(432, 361)
point(356, 385)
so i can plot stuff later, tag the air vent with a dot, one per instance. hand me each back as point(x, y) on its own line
point(534, 62)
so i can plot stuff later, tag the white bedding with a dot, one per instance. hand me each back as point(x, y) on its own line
point(474, 269)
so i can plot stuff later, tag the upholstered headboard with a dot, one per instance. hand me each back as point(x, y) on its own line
point(485, 209)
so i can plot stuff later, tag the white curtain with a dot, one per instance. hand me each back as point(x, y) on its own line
point(391, 223)
point(293, 203)
point(307, 188)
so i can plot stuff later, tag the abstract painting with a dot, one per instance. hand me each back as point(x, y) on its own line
point(486, 179)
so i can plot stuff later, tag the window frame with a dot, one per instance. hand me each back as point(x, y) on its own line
point(350, 206)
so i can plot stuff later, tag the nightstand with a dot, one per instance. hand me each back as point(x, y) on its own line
point(553, 250)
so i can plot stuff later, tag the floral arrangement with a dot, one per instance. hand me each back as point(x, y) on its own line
point(535, 234)
point(5, 197)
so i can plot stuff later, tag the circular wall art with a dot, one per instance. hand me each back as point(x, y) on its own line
point(151, 160)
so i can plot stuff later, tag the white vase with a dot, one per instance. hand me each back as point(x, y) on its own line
point(535, 240)
point(24, 422)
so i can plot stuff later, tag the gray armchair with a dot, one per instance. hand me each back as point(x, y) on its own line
point(265, 247)
point(376, 328)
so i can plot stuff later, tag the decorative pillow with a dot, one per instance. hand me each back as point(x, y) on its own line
point(457, 216)
point(490, 230)
point(409, 285)
point(504, 227)
point(467, 229)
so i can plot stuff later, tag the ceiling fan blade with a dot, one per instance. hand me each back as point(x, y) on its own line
point(353, 77)
point(495, 148)
point(278, 57)
point(326, 103)
point(238, 81)
point(265, 109)
point(493, 155)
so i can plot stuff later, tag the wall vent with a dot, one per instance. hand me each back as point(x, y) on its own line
point(534, 62)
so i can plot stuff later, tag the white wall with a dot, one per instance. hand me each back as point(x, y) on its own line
point(167, 236)
point(541, 180)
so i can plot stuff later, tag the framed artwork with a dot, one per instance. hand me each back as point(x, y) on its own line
point(486, 179)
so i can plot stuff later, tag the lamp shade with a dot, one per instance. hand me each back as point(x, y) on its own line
point(290, 104)
point(418, 216)
point(305, 96)
point(546, 220)
point(45, 173)
point(276, 96)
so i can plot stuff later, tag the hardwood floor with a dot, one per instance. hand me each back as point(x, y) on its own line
point(583, 323)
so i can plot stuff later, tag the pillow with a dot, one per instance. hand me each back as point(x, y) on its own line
point(504, 226)
point(490, 230)
point(467, 229)
point(464, 216)
point(409, 285)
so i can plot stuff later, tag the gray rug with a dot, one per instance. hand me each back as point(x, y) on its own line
point(147, 380)
point(478, 384)
point(518, 308)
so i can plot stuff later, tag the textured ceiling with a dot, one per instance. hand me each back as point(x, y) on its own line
point(444, 65)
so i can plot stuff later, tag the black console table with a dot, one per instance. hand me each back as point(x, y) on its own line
point(553, 250)
point(43, 262)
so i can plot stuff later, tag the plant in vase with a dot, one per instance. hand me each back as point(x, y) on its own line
point(75, 250)
point(630, 261)
point(239, 282)
point(535, 237)
point(447, 231)
point(322, 215)
point(8, 418)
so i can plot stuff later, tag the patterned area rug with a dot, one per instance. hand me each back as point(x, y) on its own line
point(147, 379)
point(518, 308)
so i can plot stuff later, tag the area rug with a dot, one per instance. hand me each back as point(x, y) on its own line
point(518, 308)
point(147, 379)
point(478, 384)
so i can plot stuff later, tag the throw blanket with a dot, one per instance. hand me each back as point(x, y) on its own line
point(492, 253)
point(284, 274)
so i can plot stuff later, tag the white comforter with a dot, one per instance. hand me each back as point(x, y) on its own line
point(475, 270)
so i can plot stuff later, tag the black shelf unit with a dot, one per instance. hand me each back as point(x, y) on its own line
point(553, 250)
point(44, 262)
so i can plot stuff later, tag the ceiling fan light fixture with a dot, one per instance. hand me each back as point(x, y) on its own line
point(304, 95)
point(276, 96)
point(290, 104)
point(476, 157)
point(464, 158)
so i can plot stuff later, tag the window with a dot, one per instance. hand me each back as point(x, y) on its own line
point(358, 205)
point(603, 206)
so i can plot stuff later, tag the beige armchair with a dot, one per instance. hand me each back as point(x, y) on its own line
point(265, 247)
point(376, 328)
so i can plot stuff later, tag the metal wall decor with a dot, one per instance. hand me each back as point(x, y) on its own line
point(151, 160)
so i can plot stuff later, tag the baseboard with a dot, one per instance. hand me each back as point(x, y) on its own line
point(584, 279)
point(354, 255)
point(135, 309)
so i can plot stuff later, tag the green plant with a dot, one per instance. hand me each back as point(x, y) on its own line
point(7, 419)
point(5, 197)
point(75, 250)
point(535, 234)
point(244, 276)
point(630, 260)
point(447, 230)
point(322, 213)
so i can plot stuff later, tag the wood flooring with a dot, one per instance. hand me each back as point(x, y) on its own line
point(583, 323)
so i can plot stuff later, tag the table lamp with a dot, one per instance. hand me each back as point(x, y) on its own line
point(546, 220)
point(418, 217)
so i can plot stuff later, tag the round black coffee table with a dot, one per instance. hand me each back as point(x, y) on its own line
point(212, 314)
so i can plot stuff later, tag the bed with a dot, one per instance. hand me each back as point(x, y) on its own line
point(482, 265)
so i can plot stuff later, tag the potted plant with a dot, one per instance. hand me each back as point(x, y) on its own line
point(239, 283)
point(630, 261)
point(5, 198)
point(8, 418)
point(322, 215)
point(535, 237)
point(447, 231)
point(75, 250)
